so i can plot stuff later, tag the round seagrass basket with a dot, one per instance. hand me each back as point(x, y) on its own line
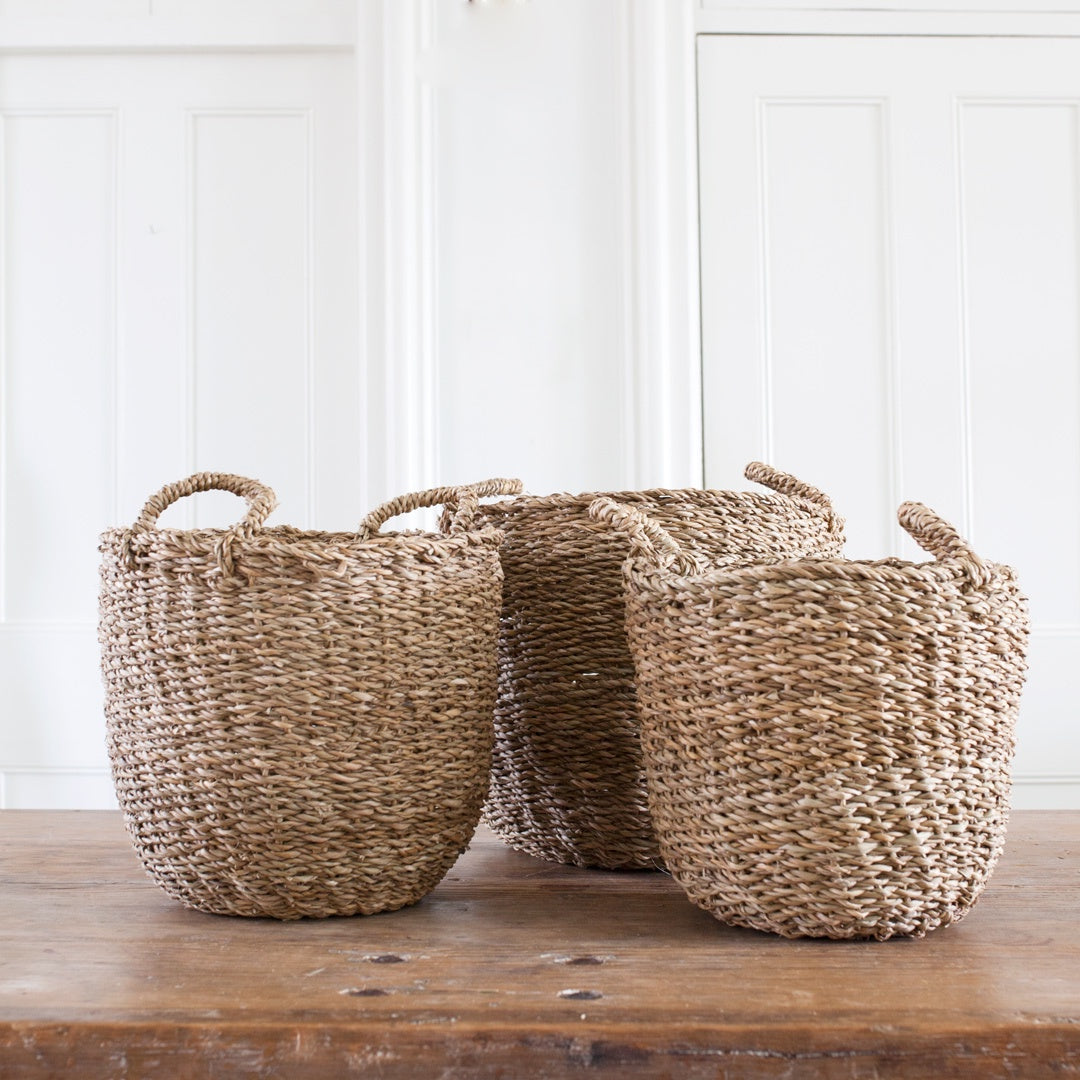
point(299, 723)
point(568, 781)
point(828, 742)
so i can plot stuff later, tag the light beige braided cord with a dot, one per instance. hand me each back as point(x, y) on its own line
point(649, 541)
point(935, 535)
point(786, 484)
point(461, 500)
point(261, 504)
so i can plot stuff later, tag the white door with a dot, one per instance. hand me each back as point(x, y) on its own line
point(179, 292)
point(890, 234)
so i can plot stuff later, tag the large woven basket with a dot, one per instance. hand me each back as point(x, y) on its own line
point(299, 723)
point(568, 781)
point(828, 743)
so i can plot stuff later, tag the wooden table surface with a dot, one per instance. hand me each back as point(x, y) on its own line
point(518, 968)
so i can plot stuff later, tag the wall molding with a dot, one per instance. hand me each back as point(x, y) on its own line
point(399, 216)
point(934, 6)
point(1045, 791)
point(74, 627)
point(55, 770)
point(173, 33)
point(93, 787)
point(661, 336)
point(967, 445)
point(887, 19)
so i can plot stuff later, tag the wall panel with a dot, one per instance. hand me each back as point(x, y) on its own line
point(827, 354)
point(218, 9)
point(252, 360)
point(1048, 742)
point(1020, 187)
point(55, 8)
point(52, 698)
point(58, 789)
point(179, 272)
point(59, 352)
point(526, 288)
point(891, 305)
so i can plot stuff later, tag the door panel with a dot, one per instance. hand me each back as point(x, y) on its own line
point(179, 292)
point(891, 306)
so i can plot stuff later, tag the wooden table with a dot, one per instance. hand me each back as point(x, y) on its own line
point(517, 968)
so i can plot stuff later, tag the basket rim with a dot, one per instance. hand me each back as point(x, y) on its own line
point(789, 572)
point(656, 498)
point(307, 542)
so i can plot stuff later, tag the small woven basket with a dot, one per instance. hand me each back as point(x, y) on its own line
point(299, 723)
point(828, 743)
point(568, 781)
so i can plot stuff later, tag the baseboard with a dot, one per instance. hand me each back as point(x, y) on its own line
point(1046, 791)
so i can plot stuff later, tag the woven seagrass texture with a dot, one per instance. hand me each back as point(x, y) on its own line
point(299, 723)
point(568, 781)
point(828, 743)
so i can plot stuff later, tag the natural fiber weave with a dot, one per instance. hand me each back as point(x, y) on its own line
point(828, 743)
point(299, 723)
point(568, 779)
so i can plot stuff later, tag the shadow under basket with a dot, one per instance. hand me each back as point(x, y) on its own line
point(568, 779)
point(299, 723)
point(828, 743)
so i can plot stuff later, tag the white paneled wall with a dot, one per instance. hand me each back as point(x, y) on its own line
point(519, 244)
point(891, 283)
point(355, 247)
point(179, 292)
point(350, 248)
point(59, 230)
point(57, 446)
point(541, 301)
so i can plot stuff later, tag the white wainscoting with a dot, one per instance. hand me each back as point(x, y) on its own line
point(539, 245)
point(351, 248)
point(179, 292)
point(891, 307)
point(356, 247)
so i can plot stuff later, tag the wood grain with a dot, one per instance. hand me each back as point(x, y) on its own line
point(515, 967)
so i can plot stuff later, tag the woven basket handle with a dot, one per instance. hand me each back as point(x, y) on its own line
point(461, 502)
point(648, 540)
point(786, 484)
point(261, 501)
point(935, 535)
